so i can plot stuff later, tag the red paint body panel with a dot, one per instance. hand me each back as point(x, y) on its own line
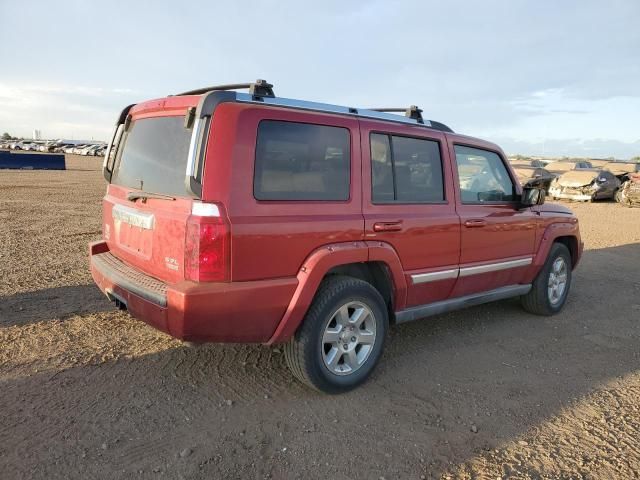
point(209, 312)
point(281, 251)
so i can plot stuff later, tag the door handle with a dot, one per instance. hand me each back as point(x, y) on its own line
point(387, 226)
point(475, 223)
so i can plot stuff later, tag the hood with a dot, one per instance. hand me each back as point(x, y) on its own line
point(618, 168)
point(577, 178)
point(560, 166)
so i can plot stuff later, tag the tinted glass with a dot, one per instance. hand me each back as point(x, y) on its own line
point(405, 170)
point(299, 161)
point(418, 170)
point(153, 156)
point(381, 169)
point(483, 176)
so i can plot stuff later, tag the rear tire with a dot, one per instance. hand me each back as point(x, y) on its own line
point(549, 290)
point(341, 338)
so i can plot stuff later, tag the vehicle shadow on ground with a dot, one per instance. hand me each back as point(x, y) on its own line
point(448, 388)
point(51, 303)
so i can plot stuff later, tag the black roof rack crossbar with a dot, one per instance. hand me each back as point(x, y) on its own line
point(259, 88)
point(412, 112)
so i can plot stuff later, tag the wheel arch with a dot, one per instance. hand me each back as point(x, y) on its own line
point(571, 242)
point(376, 273)
point(566, 233)
point(377, 264)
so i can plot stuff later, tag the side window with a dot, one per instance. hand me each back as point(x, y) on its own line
point(301, 161)
point(483, 176)
point(405, 170)
point(381, 169)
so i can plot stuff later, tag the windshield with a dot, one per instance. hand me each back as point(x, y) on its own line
point(153, 156)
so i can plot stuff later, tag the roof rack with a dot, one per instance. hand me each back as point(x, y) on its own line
point(412, 112)
point(259, 88)
point(262, 91)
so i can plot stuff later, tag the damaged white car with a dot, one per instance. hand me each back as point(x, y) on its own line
point(629, 193)
point(584, 185)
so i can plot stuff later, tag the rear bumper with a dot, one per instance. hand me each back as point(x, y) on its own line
point(199, 312)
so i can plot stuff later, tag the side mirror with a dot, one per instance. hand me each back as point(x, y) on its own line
point(532, 196)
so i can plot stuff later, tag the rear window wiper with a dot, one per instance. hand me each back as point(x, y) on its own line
point(133, 196)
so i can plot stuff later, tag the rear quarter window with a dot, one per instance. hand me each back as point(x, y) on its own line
point(300, 161)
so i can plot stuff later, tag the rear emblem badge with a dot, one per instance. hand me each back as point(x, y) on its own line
point(171, 263)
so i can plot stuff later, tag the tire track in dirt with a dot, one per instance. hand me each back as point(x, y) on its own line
point(76, 375)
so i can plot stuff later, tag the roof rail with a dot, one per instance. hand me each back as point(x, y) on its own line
point(412, 112)
point(259, 88)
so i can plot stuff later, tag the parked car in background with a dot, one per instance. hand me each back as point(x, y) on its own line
point(622, 170)
point(527, 162)
point(533, 176)
point(60, 147)
point(585, 185)
point(77, 150)
point(562, 166)
point(244, 217)
point(85, 150)
point(596, 163)
point(629, 192)
point(93, 149)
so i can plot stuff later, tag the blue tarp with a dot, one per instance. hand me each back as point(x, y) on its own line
point(32, 161)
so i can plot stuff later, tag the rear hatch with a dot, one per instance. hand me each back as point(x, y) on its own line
point(146, 208)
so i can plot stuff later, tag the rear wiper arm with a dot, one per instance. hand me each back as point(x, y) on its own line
point(133, 196)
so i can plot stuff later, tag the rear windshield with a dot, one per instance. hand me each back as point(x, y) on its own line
point(153, 156)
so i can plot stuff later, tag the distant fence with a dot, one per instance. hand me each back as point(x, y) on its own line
point(32, 161)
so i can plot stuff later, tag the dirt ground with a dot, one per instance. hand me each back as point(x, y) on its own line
point(488, 392)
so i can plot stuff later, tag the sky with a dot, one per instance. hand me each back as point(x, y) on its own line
point(537, 77)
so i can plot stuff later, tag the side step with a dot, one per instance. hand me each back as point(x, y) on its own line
point(422, 311)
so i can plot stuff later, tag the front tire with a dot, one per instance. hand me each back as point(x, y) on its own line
point(550, 289)
point(341, 338)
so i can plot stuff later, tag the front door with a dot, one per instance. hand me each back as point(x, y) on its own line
point(408, 203)
point(497, 236)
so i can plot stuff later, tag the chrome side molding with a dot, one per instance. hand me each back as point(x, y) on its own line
point(495, 267)
point(434, 276)
point(467, 271)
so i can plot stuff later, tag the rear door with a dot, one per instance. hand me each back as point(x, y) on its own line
point(146, 232)
point(408, 203)
point(497, 237)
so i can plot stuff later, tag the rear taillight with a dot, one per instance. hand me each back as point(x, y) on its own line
point(207, 244)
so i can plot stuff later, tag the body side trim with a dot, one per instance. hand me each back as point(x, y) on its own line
point(418, 278)
point(495, 267)
point(434, 276)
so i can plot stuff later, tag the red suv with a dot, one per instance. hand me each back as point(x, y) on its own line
point(244, 217)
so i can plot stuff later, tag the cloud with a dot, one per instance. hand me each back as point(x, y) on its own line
point(60, 110)
point(518, 69)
